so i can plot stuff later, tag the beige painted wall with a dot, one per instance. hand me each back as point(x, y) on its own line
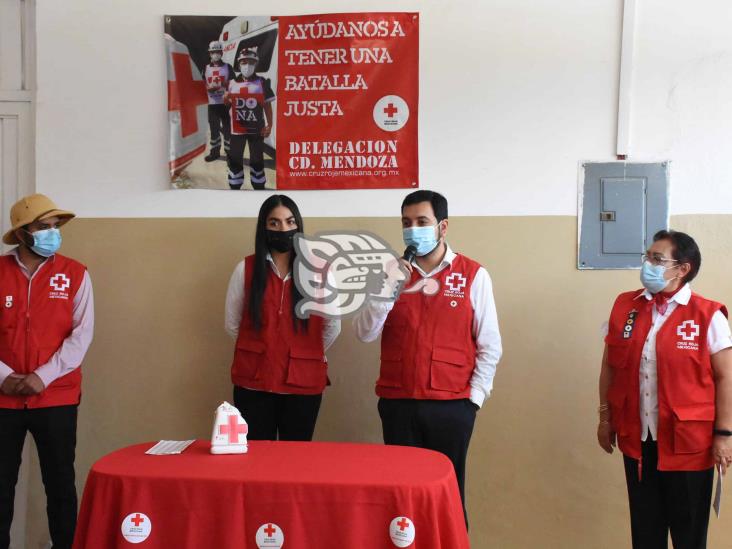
point(159, 364)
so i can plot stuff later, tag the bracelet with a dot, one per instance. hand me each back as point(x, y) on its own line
point(723, 432)
point(604, 422)
point(603, 408)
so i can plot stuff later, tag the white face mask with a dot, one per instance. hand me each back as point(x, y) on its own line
point(215, 57)
point(247, 69)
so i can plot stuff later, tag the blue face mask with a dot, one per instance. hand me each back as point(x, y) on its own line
point(422, 238)
point(46, 242)
point(651, 277)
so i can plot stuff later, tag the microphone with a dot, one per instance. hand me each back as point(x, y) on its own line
point(409, 253)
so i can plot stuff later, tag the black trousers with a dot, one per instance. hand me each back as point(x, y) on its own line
point(54, 432)
point(663, 501)
point(235, 160)
point(273, 416)
point(218, 125)
point(441, 425)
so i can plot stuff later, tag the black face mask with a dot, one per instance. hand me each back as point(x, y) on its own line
point(280, 241)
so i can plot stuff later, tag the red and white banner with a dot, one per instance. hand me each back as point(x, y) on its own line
point(325, 101)
point(348, 91)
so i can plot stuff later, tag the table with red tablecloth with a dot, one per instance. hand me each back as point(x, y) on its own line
point(314, 495)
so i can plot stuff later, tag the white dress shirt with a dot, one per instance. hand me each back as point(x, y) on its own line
point(719, 337)
point(369, 323)
point(71, 353)
point(235, 304)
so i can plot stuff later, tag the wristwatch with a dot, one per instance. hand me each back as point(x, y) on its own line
point(723, 432)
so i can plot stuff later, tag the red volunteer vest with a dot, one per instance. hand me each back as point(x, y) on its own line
point(427, 345)
point(686, 394)
point(35, 319)
point(277, 358)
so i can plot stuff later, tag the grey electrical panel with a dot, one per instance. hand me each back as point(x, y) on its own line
point(623, 205)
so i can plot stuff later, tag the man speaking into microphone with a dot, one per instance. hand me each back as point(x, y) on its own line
point(439, 351)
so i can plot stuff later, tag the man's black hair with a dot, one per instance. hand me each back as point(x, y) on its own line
point(438, 202)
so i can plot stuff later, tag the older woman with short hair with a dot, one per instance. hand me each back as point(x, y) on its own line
point(666, 396)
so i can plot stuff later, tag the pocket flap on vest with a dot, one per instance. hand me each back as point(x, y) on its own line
point(306, 368)
point(306, 354)
point(617, 352)
point(695, 412)
point(451, 356)
point(693, 428)
point(251, 346)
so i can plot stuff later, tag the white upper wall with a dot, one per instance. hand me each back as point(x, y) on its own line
point(513, 94)
point(683, 99)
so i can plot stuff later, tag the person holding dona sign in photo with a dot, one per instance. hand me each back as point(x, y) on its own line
point(250, 98)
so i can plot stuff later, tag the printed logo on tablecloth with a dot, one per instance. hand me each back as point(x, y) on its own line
point(136, 527)
point(402, 532)
point(270, 536)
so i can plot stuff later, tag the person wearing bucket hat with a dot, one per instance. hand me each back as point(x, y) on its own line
point(250, 97)
point(46, 326)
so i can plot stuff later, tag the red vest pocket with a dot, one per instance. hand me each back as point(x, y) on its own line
point(306, 368)
point(693, 428)
point(617, 353)
point(249, 358)
point(449, 370)
point(8, 318)
point(391, 367)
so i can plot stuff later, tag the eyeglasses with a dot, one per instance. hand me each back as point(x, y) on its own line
point(658, 259)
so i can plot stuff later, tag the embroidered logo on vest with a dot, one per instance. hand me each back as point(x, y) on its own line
point(688, 331)
point(59, 284)
point(629, 324)
point(454, 285)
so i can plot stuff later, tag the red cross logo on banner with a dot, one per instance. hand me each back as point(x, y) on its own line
point(60, 282)
point(233, 429)
point(137, 519)
point(270, 530)
point(390, 110)
point(403, 524)
point(456, 282)
point(185, 94)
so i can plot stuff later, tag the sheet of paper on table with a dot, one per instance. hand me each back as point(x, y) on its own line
point(718, 491)
point(169, 447)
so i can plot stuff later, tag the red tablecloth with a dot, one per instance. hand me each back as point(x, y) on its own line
point(318, 495)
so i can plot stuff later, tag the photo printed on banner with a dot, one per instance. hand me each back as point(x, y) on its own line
point(325, 101)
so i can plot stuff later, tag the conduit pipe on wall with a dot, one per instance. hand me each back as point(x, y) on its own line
point(626, 79)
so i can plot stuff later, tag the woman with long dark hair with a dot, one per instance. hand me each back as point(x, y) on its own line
point(279, 369)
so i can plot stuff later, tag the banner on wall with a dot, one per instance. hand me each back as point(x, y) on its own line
point(299, 102)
